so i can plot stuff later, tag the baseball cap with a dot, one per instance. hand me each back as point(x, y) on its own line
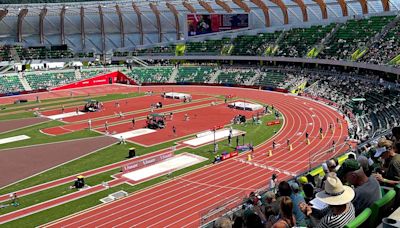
point(379, 151)
point(294, 186)
point(349, 165)
point(303, 180)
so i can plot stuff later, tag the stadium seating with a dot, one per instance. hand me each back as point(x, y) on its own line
point(44, 80)
point(236, 76)
point(382, 208)
point(360, 220)
point(297, 42)
point(211, 47)
point(164, 50)
point(10, 83)
point(352, 35)
point(385, 49)
point(151, 74)
point(254, 45)
point(195, 74)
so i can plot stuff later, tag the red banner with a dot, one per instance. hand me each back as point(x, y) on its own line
point(275, 122)
point(229, 155)
point(145, 162)
point(114, 77)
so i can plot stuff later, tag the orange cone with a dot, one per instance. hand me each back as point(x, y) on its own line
point(290, 147)
point(249, 157)
point(308, 142)
point(270, 153)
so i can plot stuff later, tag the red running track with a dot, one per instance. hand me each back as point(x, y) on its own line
point(201, 119)
point(139, 105)
point(182, 201)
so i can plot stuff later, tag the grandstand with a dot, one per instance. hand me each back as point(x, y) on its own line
point(83, 83)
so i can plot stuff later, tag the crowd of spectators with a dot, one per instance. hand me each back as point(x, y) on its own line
point(333, 199)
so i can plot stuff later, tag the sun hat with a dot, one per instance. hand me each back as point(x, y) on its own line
point(335, 193)
point(349, 165)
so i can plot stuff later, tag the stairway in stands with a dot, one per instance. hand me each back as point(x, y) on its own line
point(24, 82)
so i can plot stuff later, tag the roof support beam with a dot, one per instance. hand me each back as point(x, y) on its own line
point(103, 34)
point(121, 25)
point(283, 9)
point(153, 8)
point(265, 10)
point(21, 17)
point(176, 16)
point(139, 18)
point(322, 6)
point(206, 6)
point(3, 13)
point(242, 5)
point(364, 6)
point(42, 15)
point(385, 5)
point(303, 8)
point(82, 13)
point(62, 28)
point(343, 5)
point(224, 6)
point(189, 7)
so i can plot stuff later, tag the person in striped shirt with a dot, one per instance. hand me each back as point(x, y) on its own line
point(339, 212)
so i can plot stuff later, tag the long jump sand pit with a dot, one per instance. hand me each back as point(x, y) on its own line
point(208, 137)
point(175, 163)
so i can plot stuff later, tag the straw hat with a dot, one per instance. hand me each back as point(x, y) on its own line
point(335, 193)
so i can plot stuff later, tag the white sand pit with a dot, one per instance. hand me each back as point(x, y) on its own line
point(14, 139)
point(175, 163)
point(176, 95)
point(64, 115)
point(245, 106)
point(207, 137)
point(134, 133)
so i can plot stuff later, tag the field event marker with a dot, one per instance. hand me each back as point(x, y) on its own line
point(14, 139)
point(134, 133)
point(64, 115)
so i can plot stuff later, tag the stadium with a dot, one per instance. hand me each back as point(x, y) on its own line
point(200, 113)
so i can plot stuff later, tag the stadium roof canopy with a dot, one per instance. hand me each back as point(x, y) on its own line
point(104, 26)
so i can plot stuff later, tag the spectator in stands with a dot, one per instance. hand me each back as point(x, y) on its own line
point(396, 134)
point(270, 203)
point(340, 210)
point(308, 192)
point(223, 222)
point(367, 189)
point(332, 165)
point(287, 219)
point(364, 164)
point(297, 198)
point(387, 152)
